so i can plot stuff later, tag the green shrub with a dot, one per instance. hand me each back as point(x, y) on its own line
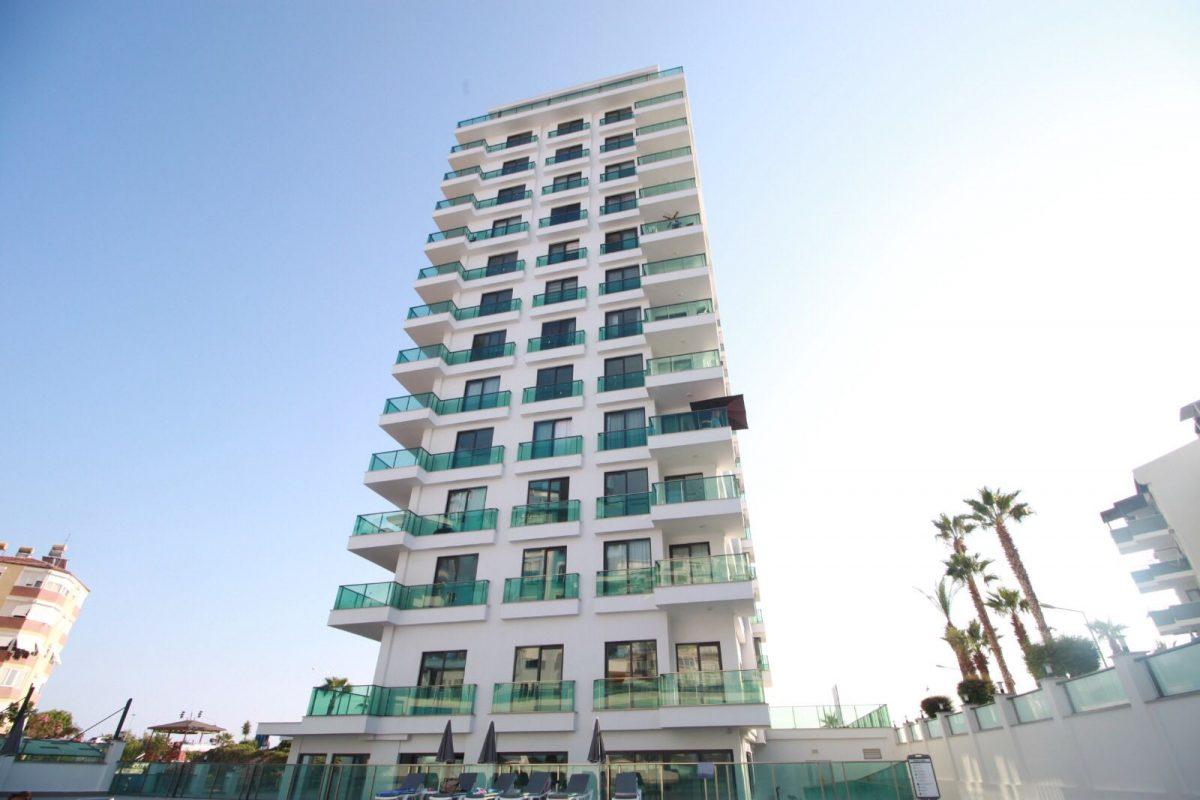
point(937, 704)
point(1063, 657)
point(976, 691)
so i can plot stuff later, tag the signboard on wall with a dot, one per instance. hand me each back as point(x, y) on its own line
point(924, 782)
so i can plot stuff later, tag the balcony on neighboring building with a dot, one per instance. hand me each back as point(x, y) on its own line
point(1176, 575)
point(1178, 620)
point(1149, 532)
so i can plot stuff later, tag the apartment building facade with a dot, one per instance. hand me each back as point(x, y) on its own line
point(1162, 519)
point(569, 540)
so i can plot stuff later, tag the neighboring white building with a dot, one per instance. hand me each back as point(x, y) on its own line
point(1164, 518)
point(569, 540)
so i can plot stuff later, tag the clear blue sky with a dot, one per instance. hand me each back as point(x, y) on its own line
point(955, 243)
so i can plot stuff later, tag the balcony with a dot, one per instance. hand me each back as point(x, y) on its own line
point(566, 131)
point(544, 520)
point(552, 397)
point(666, 134)
point(367, 608)
point(455, 211)
point(381, 538)
point(676, 196)
point(690, 325)
point(565, 220)
point(665, 166)
point(393, 474)
point(678, 504)
point(396, 701)
point(657, 109)
point(626, 245)
point(622, 336)
point(621, 388)
point(562, 296)
point(417, 367)
point(528, 698)
point(550, 448)
point(673, 234)
point(684, 700)
point(406, 418)
point(682, 440)
point(442, 282)
point(563, 260)
point(1175, 575)
point(554, 341)
point(619, 211)
point(624, 693)
point(621, 286)
point(565, 188)
point(567, 158)
point(675, 380)
point(670, 280)
point(623, 143)
point(1145, 533)
point(726, 580)
point(1178, 620)
point(620, 440)
point(623, 505)
point(624, 582)
point(614, 174)
point(429, 324)
point(539, 588)
point(616, 117)
point(504, 171)
point(499, 234)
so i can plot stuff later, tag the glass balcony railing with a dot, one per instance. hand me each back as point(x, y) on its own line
point(563, 218)
point(550, 448)
point(661, 126)
point(492, 202)
point(619, 440)
point(444, 595)
point(545, 513)
point(662, 98)
point(626, 380)
point(621, 285)
point(620, 331)
point(527, 698)
point(461, 200)
point(396, 701)
point(620, 144)
point(561, 256)
point(619, 116)
point(674, 264)
point(623, 505)
point(483, 353)
point(690, 308)
point(670, 224)
point(1176, 614)
point(617, 174)
point(483, 519)
point(367, 595)
point(560, 296)
point(458, 148)
point(551, 391)
point(445, 236)
point(487, 309)
point(727, 687)
point(622, 205)
point(620, 582)
point(667, 188)
point(1176, 671)
point(499, 230)
point(1032, 706)
point(664, 155)
point(703, 570)
point(449, 268)
point(461, 173)
point(562, 186)
point(682, 363)
point(623, 693)
point(436, 462)
point(1098, 690)
point(565, 130)
point(542, 587)
point(471, 274)
point(571, 96)
point(1162, 569)
point(513, 170)
point(689, 421)
point(451, 405)
point(619, 245)
point(841, 715)
point(520, 141)
point(573, 155)
point(693, 490)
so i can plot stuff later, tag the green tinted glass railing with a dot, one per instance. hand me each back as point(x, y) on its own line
point(551, 391)
point(398, 701)
point(618, 440)
point(618, 693)
point(957, 723)
point(1099, 690)
point(405, 521)
point(396, 459)
point(670, 224)
point(382, 522)
point(626, 380)
point(550, 448)
point(689, 421)
point(620, 582)
point(702, 570)
point(435, 462)
point(545, 513)
point(500, 230)
point(988, 717)
point(935, 728)
point(844, 715)
point(661, 126)
point(727, 687)
point(432, 310)
point(561, 256)
point(482, 353)
point(621, 285)
point(414, 354)
point(560, 219)
point(617, 174)
point(566, 130)
point(690, 490)
point(561, 296)
point(570, 96)
point(443, 595)
point(461, 173)
point(681, 363)
point(462, 199)
point(662, 98)
point(458, 148)
point(620, 144)
point(618, 116)
point(1032, 706)
point(664, 155)
point(415, 402)
point(623, 205)
point(542, 587)
point(367, 595)
point(574, 155)
point(623, 505)
point(342, 701)
point(439, 269)
point(491, 270)
point(690, 308)
point(562, 186)
point(474, 402)
point(524, 698)
point(620, 331)
point(442, 236)
point(1176, 671)
point(554, 340)
point(513, 170)
point(619, 245)
point(667, 188)
point(520, 141)
point(1175, 614)
point(674, 264)
point(1161, 569)
point(487, 309)
point(492, 202)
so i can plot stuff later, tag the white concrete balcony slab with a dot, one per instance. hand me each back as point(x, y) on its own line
point(365, 622)
point(621, 455)
point(384, 549)
point(678, 286)
point(632, 255)
point(633, 522)
point(563, 194)
point(666, 170)
point(561, 267)
point(535, 609)
point(660, 112)
point(552, 464)
point(461, 184)
point(615, 126)
point(482, 365)
point(580, 164)
point(676, 389)
point(636, 342)
point(633, 719)
point(535, 722)
point(565, 138)
point(361, 724)
point(548, 530)
point(665, 139)
point(624, 603)
point(568, 353)
point(690, 334)
point(446, 249)
point(504, 241)
point(557, 229)
point(722, 514)
point(754, 715)
point(552, 406)
point(630, 296)
point(616, 154)
point(408, 427)
point(683, 202)
point(673, 242)
point(439, 616)
point(735, 596)
point(707, 446)
point(615, 396)
point(1146, 533)
point(616, 185)
point(1178, 576)
point(619, 219)
point(1178, 620)
point(564, 308)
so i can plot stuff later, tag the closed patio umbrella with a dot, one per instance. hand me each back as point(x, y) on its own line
point(445, 753)
point(12, 742)
point(488, 754)
point(596, 752)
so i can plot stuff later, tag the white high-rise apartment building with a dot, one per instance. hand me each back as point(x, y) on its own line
point(569, 539)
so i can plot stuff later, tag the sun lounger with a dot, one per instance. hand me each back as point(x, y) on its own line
point(465, 785)
point(625, 787)
point(537, 788)
point(579, 787)
point(411, 788)
point(502, 784)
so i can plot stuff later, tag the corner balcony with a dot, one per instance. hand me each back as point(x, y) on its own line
point(417, 368)
point(690, 326)
point(557, 224)
point(407, 418)
point(457, 211)
point(381, 538)
point(552, 397)
point(541, 596)
point(623, 512)
point(673, 235)
point(624, 388)
point(1178, 620)
point(1146, 533)
point(564, 261)
point(499, 236)
point(614, 447)
point(467, 154)
point(692, 437)
point(549, 455)
point(731, 698)
point(366, 608)
point(707, 581)
point(390, 710)
point(394, 473)
point(672, 197)
point(679, 504)
point(534, 706)
point(665, 135)
point(554, 346)
point(674, 280)
point(660, 108)
point(677, 380)
point(666, 165)
point(624, 290)
point(559, 302)
point(1167, 576)
point(442, 282)
point(550, 520)
point(429, 324)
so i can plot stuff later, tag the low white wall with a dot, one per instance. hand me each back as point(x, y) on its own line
point(789, 746)
point(58, 776)
point(1147, 748)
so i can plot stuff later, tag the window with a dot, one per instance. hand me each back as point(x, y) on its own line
point(456, 569)
point(621, 169)
point(568, 181)
point(628, 554)
point(480, 393)
point(501, 263)
point(488, 345)
point(631, 659)
point(461, 500)
point(699, 657)
point(514, 165)
point(506, 225)
point(545, 432)
point(623, 372)
point(625, 428)
point(568, 153)
point(517, 139)
point(616, 115)
point(629, 481)
point(619, 279)
point(495, 302)
point(569, 127)
point(563, 251)
point(544, 562)
point(560, 290)
point(619, 202)
point(443, 668)
point(553, 382)
point(617, 142)
point(567, 213)
point(538, 664)
point(9, 676)
point(549, 490)
point(558, 333)
point(472, 448)
point(622, 322)
point(685, 488)
point(510, 194)
point(620, 240)
point(689, 564)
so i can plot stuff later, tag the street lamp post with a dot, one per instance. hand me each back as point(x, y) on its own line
point(1086, 622)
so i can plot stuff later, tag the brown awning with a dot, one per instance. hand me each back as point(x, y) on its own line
point(734, 405)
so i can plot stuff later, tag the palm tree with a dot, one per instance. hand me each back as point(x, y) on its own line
point(994, 509)
point(942, 598)
point(964, 568)
point(1111, 632)
point(1009, 602)
point(953, 530)
point(976, 644)
point(335, 686)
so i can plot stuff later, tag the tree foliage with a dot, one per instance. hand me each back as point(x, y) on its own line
point(976, 691)
point(54, 723)
point(1062, 657)
point(937, 704)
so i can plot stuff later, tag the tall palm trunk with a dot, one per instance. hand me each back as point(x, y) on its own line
point(954, 638)
point(1021, 633)
point(1018, 568)
point(990, 633)
point(981, 666)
